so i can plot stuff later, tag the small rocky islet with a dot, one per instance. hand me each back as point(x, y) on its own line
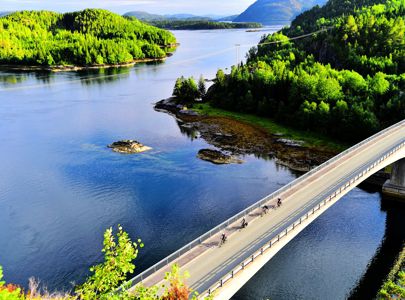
point(128, 147)
point(217, 157)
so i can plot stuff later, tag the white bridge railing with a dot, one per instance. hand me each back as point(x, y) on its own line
point(298, 222)
point(174, 256)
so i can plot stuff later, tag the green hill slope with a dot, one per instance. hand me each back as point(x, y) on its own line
point(347, 82)
point(85, 38)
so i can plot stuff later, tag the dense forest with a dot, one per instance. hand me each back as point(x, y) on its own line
point(347, 82)
point(200, 24)
point(88, 37)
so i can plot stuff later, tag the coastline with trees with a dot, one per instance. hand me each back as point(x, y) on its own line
point(92, 38)
point(346, 83)
point(202, 25)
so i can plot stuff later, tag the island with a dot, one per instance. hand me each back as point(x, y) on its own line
point(190, 22)
point(91, 38)
point(202, 24)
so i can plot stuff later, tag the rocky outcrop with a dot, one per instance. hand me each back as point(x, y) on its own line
point(128, 147)
point(217, 157)
point(236, 138)
point(169, 104)
point(173, 107)
point(291, 143)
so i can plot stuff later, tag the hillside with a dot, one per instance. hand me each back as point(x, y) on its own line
point(275, 12)
point(144, 16)
point(347, 82)
point(307, 21)
point(191, 24)
point(86, 38)
point(147, 17)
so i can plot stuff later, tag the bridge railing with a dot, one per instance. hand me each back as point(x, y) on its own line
point(174, 256)
point(302, 218)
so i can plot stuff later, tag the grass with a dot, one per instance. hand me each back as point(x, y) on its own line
point(394, 287)
point(311, 139)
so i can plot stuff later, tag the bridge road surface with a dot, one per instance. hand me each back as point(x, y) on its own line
point(208, 263)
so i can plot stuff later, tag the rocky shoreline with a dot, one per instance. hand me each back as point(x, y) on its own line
point(235, 138)
point(70, 68)
point(217, 157)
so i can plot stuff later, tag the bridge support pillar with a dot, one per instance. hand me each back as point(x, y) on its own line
point(395, 187)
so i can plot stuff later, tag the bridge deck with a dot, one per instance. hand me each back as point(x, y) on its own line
point(207, 263)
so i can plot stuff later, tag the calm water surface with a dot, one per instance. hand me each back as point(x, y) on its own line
point(60, 187)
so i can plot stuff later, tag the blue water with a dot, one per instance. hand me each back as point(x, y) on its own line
point(60, 187)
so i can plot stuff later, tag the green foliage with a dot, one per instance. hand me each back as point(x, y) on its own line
point(88, 37)
point(9, 292)
point(392, 290)
point(368, 39)
point(119, 253)
point(186, 90)
point(394, 287)
point(202, 90)
point(345, 83)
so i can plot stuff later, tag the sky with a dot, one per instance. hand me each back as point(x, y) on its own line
point(216, 7)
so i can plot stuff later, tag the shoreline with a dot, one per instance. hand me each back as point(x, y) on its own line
point(70, 68)
point(392, 284)
point(310, 139)
point(238, 138)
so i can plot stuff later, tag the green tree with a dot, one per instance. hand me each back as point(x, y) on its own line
point(201, 87)
point(186, 90)
point(220, 77)
point(88, 37)
point(9, 292)
point(379, 85)
point(119, 253)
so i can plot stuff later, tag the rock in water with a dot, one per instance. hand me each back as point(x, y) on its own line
point(217, 157)
point(128, 147)
point(291, 143)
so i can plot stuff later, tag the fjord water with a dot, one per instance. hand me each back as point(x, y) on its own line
point(60, 187)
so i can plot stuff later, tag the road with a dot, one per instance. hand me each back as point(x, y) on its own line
point(208, 263)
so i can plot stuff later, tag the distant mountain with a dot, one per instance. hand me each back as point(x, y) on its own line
point(145, 16)
point(276, 12)
point(184, 16)
point(227, 19)
point(4, 13)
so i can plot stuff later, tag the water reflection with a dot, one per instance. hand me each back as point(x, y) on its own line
point(9, 79)
point(189, 131)
point(102, 76)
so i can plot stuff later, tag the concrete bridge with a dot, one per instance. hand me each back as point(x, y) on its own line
point(222, 271)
